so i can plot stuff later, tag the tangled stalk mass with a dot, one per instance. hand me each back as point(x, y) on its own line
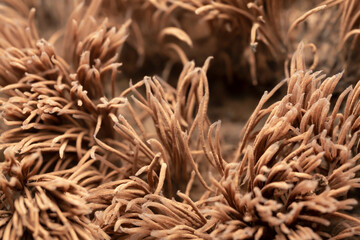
point(83, 157)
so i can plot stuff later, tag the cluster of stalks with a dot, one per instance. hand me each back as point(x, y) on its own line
point(83, 157)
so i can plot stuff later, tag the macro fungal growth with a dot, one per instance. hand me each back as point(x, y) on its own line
point(108, 131)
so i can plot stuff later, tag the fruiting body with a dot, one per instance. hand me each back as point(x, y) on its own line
point(85, 158)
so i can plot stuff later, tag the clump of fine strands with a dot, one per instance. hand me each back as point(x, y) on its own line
point(83, 158)
point(291, 178)
point(245, 37)
point(62, 132)
point(269, 31)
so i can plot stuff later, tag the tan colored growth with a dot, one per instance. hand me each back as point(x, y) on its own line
point(83, 157)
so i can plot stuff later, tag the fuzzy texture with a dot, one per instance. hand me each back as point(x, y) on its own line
point(84, 157)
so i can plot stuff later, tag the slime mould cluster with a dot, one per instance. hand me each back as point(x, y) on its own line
point(85, 156)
